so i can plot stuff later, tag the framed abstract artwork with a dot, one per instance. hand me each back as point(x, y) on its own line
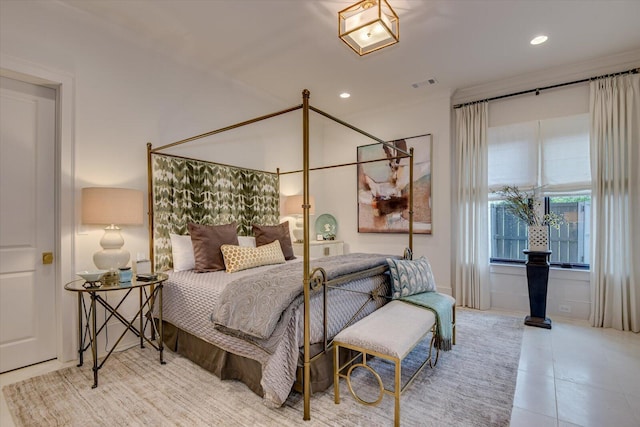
point(383, 187)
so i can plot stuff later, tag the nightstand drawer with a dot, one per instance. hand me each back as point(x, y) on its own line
point(319, 249)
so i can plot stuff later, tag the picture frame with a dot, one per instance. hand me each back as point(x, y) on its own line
point(383, 186)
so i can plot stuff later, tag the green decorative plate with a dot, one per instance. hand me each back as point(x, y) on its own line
point(327, 226)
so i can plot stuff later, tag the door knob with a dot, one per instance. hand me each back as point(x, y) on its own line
point(47, 257)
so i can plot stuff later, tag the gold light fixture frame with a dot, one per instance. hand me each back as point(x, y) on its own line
point(368, 25)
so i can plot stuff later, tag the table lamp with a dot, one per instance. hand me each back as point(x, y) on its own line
point(111, 206)
point(293, 207)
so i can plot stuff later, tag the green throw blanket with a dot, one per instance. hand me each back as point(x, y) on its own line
point(441, 306)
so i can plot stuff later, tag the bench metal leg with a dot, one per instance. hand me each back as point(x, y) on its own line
point(454, 323)
point(398, 387)
point(397, 390)
point(336, 374)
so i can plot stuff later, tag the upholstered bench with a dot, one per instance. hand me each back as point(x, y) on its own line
point(389, 333)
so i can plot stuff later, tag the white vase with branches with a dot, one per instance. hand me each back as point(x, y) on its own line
point(527, 206)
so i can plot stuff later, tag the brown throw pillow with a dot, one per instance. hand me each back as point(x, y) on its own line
point(206, 241)
point(266, 234)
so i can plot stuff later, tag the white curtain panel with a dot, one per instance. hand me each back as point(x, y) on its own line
point(472, 248)
point(615, 169)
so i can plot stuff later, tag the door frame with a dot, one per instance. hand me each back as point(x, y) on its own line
point(64, 258)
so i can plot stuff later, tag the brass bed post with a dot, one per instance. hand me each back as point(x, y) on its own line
point(150, 203)
point(305, 197)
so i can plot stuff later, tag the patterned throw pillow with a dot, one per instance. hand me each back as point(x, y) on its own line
point(238, 258)
point(410, 277)
point(266, 234)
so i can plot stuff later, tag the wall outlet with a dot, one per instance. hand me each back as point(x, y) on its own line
point(563, 308)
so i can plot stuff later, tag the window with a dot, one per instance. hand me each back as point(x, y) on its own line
point(569, 244)
point(552, 155)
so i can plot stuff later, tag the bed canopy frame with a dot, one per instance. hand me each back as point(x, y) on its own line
point(311, 279)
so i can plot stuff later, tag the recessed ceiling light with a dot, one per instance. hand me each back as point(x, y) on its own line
point(345, 95)
point(539, 40)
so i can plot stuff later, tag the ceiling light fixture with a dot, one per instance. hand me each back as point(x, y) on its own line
point(345, 95)
point(539, 40)
point(368, 25)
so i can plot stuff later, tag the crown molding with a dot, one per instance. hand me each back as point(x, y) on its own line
point(550, 76)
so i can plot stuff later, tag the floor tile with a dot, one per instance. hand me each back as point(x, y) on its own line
point(634, 402)
point(588, 406)
point(588, 372)
point(535, 393)
point(536, 360)
point(523, 418)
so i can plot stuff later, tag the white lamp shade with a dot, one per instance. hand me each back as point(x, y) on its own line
point(119, 206)
point(293, 205)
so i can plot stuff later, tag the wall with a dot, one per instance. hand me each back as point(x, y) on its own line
point(339, 197)
point(125, 96)
point(128, 94)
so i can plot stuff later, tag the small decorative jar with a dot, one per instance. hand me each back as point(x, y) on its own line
point(539, 238)
point(125, 274)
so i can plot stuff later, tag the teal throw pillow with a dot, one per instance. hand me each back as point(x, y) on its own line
point(410, 277)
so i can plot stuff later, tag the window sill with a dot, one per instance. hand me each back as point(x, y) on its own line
point(554, 272)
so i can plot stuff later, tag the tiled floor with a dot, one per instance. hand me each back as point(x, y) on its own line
point(576, 375)
point(571, 375)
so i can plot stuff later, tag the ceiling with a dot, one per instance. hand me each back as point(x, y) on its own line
point(280, 47)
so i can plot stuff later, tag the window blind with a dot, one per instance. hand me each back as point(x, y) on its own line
point(552, 154)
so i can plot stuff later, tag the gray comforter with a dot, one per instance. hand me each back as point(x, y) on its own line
point(256, 307)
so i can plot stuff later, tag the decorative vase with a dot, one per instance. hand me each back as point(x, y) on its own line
point(538, 238)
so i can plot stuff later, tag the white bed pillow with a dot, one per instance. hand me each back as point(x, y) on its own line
point(247, 241)
point(182, 252)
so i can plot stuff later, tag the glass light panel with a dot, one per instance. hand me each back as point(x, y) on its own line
point(368, 29)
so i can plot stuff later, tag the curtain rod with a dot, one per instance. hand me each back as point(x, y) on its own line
point(537, 90)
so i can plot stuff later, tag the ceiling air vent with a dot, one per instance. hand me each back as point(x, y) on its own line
point(427, 82)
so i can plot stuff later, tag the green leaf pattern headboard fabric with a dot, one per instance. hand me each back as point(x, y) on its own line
point(187, 190)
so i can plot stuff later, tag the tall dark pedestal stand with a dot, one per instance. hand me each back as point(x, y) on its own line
point(538, 279)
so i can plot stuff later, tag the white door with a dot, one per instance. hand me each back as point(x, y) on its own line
point(27, 224)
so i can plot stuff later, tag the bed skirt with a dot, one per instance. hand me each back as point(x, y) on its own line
point(229, 366)
point(225, 365)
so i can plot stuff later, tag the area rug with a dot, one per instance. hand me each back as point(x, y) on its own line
point(472, 385)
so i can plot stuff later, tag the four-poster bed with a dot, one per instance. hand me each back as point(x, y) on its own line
point(235, 355)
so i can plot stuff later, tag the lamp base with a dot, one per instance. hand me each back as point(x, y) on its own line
point(112, 256)
point(298, 235)
point(111, 259)
point(298, 229)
